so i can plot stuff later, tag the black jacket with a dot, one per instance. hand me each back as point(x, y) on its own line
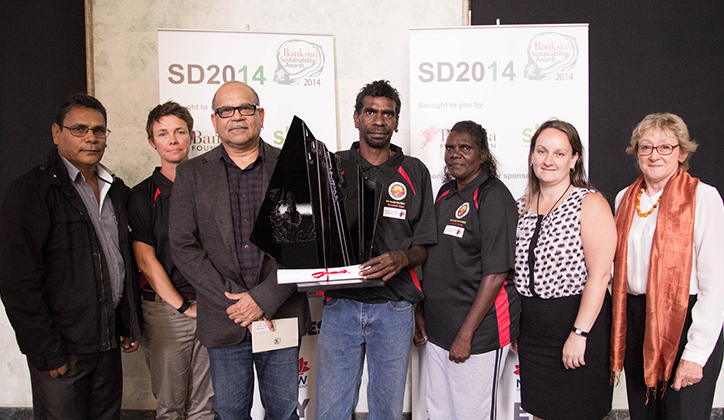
point(54, 281)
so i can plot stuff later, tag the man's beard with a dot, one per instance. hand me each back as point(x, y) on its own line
point(376, 143)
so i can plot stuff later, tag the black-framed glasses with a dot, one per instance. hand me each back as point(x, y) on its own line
point(662, 149)
point(228, 111)
point(81, 130)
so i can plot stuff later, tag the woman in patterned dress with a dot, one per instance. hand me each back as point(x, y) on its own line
point(566, 240)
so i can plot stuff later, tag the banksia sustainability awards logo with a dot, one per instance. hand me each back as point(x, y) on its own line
point(549, 53)
point(298, 59)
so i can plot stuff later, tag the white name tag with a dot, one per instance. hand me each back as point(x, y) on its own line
point(454, 231)
point(394, 212)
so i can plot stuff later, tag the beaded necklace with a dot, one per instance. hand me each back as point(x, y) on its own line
point(638, 204)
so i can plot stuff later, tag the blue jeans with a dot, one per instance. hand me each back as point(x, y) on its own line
point(232, 377)
point(351, 329)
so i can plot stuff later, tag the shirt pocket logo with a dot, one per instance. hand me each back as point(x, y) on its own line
point(462, 211)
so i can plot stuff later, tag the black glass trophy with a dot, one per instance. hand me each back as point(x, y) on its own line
point(319, 215)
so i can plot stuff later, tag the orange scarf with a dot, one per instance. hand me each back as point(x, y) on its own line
point(667, 288)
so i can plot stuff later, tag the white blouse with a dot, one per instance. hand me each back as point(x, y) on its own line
point(707, 270)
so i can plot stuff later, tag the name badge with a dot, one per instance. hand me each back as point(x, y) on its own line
point(454, 231)
point(394, 212)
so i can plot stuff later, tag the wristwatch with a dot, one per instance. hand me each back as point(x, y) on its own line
point(580, 332)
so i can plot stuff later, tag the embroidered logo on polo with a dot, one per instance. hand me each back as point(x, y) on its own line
point(462, 211)
point(455, 228)
point(396, 208)
point(397, 191)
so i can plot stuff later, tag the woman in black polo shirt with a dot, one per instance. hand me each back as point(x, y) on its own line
point(179, 363)
point(471, 309)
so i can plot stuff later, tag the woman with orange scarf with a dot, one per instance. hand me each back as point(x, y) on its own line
point(668, 287)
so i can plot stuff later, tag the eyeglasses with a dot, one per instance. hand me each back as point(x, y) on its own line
point(82, 130)
point(662, 149)
point(244, 109)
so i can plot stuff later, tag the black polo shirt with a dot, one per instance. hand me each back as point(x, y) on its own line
point(407, 218)
point(148, 215)
point(476, 237)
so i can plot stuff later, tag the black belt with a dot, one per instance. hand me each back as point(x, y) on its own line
point(150, 295)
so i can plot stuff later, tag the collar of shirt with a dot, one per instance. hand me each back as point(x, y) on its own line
point(226, 159)
point(389, 167)
point(102, 173)
point(473, 185)
point(646, 203)
point(163, 183)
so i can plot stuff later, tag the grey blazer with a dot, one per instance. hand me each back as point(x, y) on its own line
point(203, 248)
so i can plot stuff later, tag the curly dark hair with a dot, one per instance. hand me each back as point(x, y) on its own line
point(378, 88)
point(490, 164)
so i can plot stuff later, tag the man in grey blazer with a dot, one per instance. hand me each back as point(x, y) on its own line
point(214, 204)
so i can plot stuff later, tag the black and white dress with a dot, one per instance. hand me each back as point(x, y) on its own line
point(549, 309)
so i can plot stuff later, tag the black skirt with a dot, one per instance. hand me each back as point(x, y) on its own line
point(549, 390)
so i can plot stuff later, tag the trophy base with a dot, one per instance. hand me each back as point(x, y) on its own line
point(338, 284)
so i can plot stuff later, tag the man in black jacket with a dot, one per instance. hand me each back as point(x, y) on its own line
point(67, 274)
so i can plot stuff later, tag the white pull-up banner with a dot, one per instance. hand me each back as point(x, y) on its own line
point(509, 79)
point(292, 74)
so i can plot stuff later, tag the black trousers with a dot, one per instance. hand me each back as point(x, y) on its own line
point(90, 389)
point(690, 403)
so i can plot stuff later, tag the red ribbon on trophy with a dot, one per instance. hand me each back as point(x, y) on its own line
point(320, 274)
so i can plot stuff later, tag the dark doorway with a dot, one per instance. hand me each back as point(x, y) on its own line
point(43, 56)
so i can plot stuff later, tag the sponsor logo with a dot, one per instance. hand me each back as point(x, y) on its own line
point(297, 59)
point(429, 135)
point(397, 191)
point(304, 366)
point(303, 369)
point(548, 53)
point(462, 211)
point(203, 142)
